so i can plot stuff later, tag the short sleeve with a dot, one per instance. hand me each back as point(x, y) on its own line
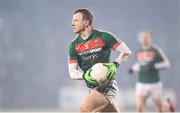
point(111, 41)
point(160, 55)
point(73, 58)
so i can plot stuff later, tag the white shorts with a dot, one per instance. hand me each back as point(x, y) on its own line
point(109, 91)
point(153, 90)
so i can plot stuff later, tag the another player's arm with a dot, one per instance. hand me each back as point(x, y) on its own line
point(164, 61)
point(135, 68)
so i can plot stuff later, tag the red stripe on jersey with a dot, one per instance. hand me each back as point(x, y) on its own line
point(145, 54)
point(90, 44)
point(72, 61)
point(116, 45)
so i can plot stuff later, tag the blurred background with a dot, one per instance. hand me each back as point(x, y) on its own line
point(34, 39)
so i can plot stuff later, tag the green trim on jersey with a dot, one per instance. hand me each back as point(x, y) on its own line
point(148, 56)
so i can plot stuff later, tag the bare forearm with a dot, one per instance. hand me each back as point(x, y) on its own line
point(165, 63)
point(125, 53)
point(162, 65)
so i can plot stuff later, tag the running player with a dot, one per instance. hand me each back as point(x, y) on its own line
point(92, 46)
point(149, 61)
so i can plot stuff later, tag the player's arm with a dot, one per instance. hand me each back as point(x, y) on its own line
point(74, 72)
point(120, 47)
point(125, 52)
point(135, 68)
point(164, 62)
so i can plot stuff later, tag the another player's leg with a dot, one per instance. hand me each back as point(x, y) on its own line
point(158, 105)
point(156, 91)
point(94, 102)
point(141, 96)
point(140, 103)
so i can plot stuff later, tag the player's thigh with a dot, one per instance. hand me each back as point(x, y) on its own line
point(156, 90)
point(110, 92)
point(142, 93)
point(111, 107)
point(141, 100)
point(156, 95)
point(95, 101)
point(142, 89)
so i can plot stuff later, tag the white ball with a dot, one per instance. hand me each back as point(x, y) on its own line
point(99, 72)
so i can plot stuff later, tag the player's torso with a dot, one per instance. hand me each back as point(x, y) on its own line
point(92, 51)
point(144, 57)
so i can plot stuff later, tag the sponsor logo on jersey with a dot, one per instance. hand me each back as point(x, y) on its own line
point(90, 51)
point(90, 57)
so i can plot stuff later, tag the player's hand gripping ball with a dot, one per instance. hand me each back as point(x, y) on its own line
point(87, 77)
point(103, 72)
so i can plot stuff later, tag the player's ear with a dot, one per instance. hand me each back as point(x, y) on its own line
point(86, 23)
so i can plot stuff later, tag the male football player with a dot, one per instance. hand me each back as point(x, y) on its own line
point(150, 60)
point(92, 46)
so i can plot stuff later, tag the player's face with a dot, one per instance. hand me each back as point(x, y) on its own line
point(145, 39)
point(78, 24)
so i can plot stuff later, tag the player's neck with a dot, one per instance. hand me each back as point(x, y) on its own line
point(147, 46)
point(87, 32)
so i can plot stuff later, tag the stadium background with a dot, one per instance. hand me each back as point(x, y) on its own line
point(34, 38)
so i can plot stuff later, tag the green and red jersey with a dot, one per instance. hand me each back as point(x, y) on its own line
point(95, 49)
point(148, 56)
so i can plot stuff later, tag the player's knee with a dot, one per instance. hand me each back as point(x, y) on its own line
point(84, 107)
point(140, 109)
point(159, 105)
point(140, 106)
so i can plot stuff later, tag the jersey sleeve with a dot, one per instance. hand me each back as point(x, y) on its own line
point(111, 41)
point(162, 60)
point(73, 58)
point(160, 55)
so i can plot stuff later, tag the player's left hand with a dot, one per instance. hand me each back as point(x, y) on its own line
point(87, 77)
point(112, 68)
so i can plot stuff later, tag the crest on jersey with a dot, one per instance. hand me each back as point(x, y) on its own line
point(96, 42)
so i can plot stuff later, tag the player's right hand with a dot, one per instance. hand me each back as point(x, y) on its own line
point(87, 77)
point(112, 68)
